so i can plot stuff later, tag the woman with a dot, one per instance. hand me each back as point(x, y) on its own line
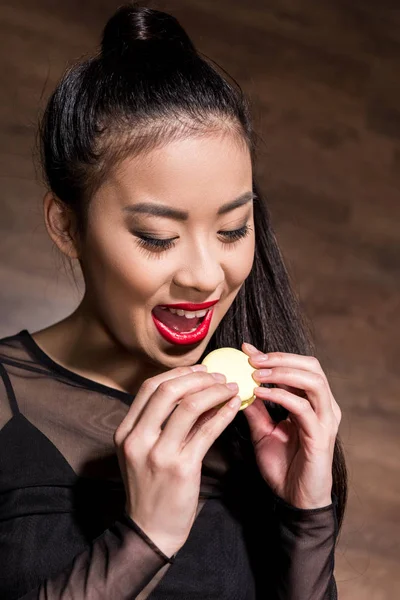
point(121, 474)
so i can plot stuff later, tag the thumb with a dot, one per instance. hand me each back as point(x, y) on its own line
point(259, 420)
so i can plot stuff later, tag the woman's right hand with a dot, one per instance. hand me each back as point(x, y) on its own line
point(161, 463)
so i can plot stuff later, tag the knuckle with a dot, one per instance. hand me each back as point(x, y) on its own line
point(224, 390)
point(276, 392)
point(183, 370)
point(206, 431)
point(182, 469)
point(168, 387)
point(282, 372)
point(117, 437)
point(304, 405)
point(149, 386)
point(207, 426)
point(315, 362)
point(191, 405)
point(156, 460)
point(319, 380)
point(129, 448)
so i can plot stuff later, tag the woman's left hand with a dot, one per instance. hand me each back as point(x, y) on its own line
point(294, 456)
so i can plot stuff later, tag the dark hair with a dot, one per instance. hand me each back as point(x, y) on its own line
point(147, 86)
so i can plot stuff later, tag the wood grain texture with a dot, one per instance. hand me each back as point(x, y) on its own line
point(323, 78)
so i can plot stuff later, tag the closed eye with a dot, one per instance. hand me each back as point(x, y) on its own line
point(236, 234)
point(161, 244)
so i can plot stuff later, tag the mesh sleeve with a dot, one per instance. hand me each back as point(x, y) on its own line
point(118, 565)
point(305, 552)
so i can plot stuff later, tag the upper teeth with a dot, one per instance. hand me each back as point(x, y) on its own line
point(189, 314)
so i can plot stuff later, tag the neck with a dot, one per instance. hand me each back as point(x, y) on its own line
point(83, 344)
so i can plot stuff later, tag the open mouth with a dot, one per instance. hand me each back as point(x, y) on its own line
point(181, 321)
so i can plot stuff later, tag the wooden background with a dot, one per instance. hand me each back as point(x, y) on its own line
point(323, 77)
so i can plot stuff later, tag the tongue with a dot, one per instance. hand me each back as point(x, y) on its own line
point(175, 322)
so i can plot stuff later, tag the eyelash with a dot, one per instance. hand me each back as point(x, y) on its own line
point(162, 245)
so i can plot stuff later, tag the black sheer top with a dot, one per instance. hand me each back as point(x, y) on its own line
point(63, 530)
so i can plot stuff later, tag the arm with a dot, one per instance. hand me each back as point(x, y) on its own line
point(295, 458)
point(305, 547)
point(118, 564)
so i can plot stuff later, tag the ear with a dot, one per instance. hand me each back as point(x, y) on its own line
point(60, 224)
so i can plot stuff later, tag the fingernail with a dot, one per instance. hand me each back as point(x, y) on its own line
point(262, 372)
point(198, 368)
point(219, 377)
point(232, 386)
point(236, 401)
point(250, 347)
point(261, 357)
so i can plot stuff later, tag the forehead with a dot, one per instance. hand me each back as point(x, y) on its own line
point(195, 169)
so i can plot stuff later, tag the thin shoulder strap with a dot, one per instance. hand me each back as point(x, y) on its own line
point(9, 389)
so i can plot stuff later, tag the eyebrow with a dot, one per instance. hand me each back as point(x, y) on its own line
point(161, 210)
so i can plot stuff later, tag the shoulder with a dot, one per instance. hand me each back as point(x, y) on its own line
point(11, 355)
point(14, 358)
point(12, 352)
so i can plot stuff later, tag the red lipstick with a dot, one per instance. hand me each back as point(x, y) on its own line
point(182, 338)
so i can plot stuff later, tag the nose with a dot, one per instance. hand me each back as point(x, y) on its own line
point(200, 269)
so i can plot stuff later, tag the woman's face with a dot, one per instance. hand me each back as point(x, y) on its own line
point(136, 261)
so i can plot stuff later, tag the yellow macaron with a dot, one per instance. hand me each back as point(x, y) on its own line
point(234, 364)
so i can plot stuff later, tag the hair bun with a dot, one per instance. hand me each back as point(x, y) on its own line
point(132, 25)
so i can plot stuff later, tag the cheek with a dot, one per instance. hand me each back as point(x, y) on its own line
point(118, 268)
point(238, 265)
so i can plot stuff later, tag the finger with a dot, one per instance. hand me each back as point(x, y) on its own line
point(300, 408)
point(261, 360)
point(259, 419)
point(142, 397)
point(313, 384)
point(276, 359)
point(261, 428)
point(166, 397)
point(194, 410)
point(337, 411)
point(202, 439)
